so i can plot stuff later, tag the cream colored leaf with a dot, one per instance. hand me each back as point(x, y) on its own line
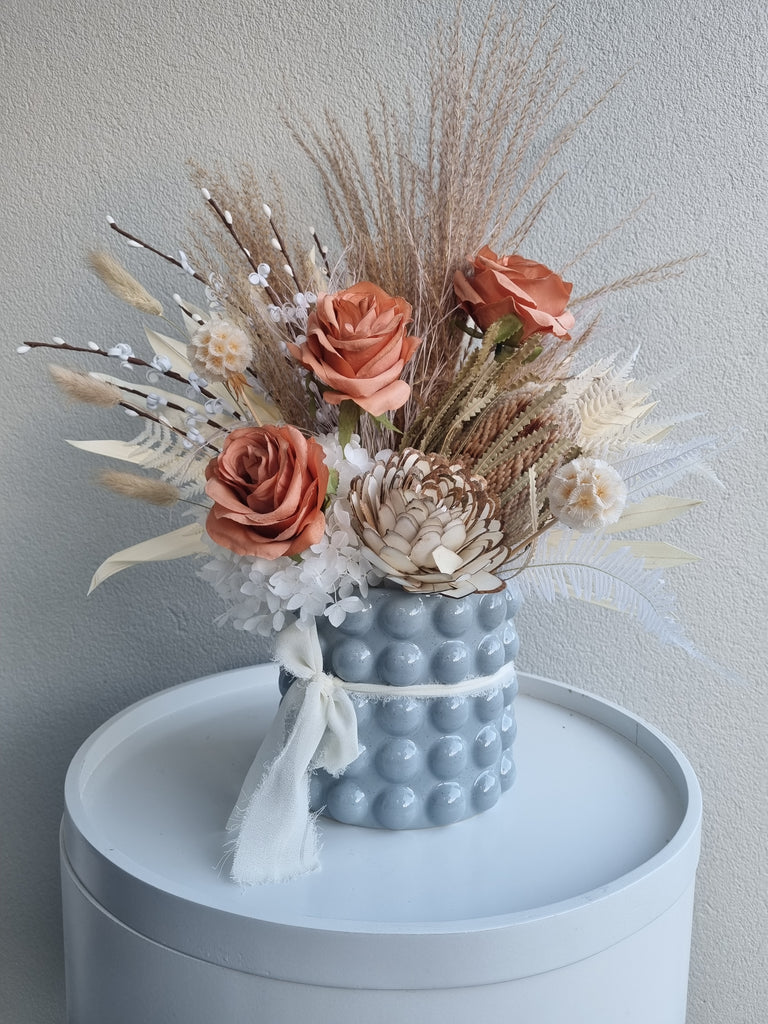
point(123, 450)
point(656, 554)
point(174, 351)
point(192, 324)
point(652, 511)
point(262, 410)
point(177, 544)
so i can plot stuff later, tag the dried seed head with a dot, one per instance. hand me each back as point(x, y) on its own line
point(219, 350)
point(587, 494)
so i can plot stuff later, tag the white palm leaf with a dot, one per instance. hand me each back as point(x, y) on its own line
point(647, 469)
point(590, 568)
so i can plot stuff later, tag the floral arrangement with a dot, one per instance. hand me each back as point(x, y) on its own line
point(407, 405)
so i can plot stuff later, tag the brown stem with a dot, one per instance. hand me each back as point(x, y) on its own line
point(164, 423)
point(284, 251)
point(135, 360)
point(157, 252)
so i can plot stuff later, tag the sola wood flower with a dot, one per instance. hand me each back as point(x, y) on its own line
point(220, 350)
point(268, 486)
point(357, 344)
point(587, 494)
point(428, 525)
point(510, 284)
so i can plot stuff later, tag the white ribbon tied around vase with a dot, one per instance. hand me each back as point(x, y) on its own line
point(275, 836)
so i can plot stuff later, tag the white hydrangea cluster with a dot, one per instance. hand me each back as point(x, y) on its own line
point(263, 596)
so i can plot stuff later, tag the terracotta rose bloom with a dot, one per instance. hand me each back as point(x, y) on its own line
point(357, 344)
point(268, 486)
point(511, 284)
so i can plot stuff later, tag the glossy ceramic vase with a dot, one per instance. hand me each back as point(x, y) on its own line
point(423, 761)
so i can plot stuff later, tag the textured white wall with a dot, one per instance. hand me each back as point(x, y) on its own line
point(104, 101)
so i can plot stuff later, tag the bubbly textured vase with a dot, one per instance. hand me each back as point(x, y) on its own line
point(423, 761)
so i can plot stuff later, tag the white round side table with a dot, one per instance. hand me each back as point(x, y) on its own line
point(568, 903)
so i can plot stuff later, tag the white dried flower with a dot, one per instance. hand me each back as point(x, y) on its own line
point(428, 525)
point(220, 350)
point(587, 494)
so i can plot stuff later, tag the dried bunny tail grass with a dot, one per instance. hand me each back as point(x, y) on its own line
point(122, 284)
point(81, 387)
point(128, 485)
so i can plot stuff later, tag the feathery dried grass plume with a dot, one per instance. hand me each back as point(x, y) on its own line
point(81, 387)
point(122, 284)
point(428, 524)
point(423, 199)
point(142, 488)
point(252, 267)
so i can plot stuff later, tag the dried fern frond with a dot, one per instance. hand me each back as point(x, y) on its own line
point(81, 387)
point(123, 285)
point(158, 447)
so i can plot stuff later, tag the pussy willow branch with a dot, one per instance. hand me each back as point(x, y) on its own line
point(134, 360)
point(150, 248)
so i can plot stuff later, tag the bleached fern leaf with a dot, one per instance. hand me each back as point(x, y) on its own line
point(162, 450)
point(590, 568)
point(606, 368)
point(610, 405)
point(646, 470)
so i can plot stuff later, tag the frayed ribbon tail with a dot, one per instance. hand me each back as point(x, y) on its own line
point(315, 727)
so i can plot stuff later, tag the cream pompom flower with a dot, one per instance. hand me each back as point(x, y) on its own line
point(220, 350)
point(586, 494)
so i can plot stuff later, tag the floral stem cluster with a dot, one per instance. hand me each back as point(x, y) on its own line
point(414, 414)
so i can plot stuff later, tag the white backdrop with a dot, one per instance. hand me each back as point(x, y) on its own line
point(104, 102)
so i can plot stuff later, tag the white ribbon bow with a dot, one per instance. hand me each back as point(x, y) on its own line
point(315, 727)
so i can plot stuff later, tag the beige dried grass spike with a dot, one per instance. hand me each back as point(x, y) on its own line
point(432, 187)
point(141, 488)
point(122, 284)
point(81, 387)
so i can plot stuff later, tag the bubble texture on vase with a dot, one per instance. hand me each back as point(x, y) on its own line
point(423, 761)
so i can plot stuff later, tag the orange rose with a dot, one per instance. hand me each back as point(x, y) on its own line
point(357, 345)
point(511, 284)
point(268, 486)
